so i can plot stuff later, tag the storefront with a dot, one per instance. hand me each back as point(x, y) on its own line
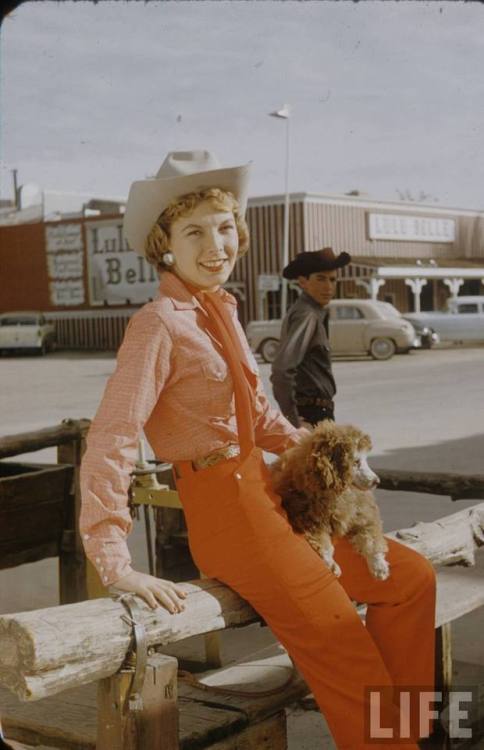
point(81, 272)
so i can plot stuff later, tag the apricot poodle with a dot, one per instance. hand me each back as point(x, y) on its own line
point(325, 484)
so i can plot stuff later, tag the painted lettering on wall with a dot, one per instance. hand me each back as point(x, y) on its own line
point(65, 264)
point(117, 274)
point(410, 228)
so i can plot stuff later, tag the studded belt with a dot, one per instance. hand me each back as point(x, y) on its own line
point(221, 454)
point(326, 403)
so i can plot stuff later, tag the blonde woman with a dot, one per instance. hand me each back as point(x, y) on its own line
point(185, 375)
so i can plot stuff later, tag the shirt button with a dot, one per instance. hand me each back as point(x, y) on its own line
point(105, 578)
point(238, 476)
point(101, 568)
point(98, 559)
point(86, 536)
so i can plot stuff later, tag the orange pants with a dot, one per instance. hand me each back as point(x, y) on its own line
point(239, 534)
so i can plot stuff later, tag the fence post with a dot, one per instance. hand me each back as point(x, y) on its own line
point(72, 560)
point(155, 724)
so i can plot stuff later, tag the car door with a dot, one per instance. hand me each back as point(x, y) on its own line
point(10, 332)
point(347, 325)
point(460, 324)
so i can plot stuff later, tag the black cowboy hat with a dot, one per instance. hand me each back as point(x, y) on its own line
point(304, 264)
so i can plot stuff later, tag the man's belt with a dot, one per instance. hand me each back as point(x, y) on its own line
point(325, 403)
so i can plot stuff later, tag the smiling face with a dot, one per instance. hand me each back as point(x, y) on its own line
point(321, 286)
point(204, 243)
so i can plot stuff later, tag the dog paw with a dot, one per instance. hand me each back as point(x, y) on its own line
point(332, 565)
point(379, 566)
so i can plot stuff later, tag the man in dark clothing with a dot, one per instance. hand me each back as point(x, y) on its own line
point(302, 377)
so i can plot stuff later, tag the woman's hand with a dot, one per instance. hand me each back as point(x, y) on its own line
point(154, 591)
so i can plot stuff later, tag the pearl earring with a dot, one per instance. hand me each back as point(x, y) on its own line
point(168, 259)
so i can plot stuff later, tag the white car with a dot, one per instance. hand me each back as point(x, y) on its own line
point(461, 321)
point(356, 326)
point(26, 331)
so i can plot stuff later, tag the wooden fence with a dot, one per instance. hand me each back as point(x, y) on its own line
point(43, 653)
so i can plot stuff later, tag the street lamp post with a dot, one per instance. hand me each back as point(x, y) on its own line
point(284, 114)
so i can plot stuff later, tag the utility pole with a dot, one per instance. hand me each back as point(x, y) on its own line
point(16, 190)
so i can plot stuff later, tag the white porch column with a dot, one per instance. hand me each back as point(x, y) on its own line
point(454, 286)
point(416, 285)
point(372, 285)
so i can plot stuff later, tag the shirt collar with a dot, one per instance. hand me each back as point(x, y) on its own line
point(182, 298)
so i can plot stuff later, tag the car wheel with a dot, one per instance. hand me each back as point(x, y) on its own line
point(382, 348)
point(426, 342)
point(268, 349)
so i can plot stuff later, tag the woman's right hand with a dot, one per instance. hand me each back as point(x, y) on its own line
point(154, 591)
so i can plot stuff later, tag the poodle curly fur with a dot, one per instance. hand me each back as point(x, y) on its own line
point(316, 482)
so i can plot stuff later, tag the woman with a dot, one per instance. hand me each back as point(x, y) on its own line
point(186, 376)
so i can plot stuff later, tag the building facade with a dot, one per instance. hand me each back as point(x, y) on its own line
point(410, 254)
point(81, 272)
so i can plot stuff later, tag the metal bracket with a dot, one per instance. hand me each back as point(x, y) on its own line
point(137, 658)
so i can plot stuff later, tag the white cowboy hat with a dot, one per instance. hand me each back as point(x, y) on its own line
point(182, 172)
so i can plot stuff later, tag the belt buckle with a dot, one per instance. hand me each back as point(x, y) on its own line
point(215, 457)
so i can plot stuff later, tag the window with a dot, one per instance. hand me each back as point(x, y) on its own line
point(14, 321)
point(469, 307)
point(348, 312)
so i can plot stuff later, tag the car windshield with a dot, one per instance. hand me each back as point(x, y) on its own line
point(13, 320)
point(387, 310)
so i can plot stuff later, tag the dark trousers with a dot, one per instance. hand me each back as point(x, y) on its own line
point(315, 414)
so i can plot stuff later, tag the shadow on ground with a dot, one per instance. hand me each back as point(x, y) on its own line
point(462, 455)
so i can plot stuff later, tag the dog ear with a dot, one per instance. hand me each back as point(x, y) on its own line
point(342, 460)
point(320, 466)
point(324, 469)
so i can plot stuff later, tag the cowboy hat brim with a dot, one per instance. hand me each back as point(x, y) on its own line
point(305, 266)
point(147, 199)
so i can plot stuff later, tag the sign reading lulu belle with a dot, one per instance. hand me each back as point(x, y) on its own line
point(412, 228)
point(117, 274)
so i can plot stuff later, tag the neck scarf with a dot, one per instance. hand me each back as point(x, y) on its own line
point(222, 326)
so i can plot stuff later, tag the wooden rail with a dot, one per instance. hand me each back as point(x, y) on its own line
point(456, 486)
point(25, 442)
point(40, 504)
point(47, 651)
point(35, 661)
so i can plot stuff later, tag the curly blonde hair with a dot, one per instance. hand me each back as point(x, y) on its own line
point(158, 241)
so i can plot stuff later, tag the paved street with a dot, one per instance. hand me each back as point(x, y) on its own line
point(424, 410)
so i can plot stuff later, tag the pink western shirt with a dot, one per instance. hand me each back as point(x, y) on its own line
point(171, 380)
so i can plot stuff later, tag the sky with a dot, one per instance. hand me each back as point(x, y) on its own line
point(386, 97)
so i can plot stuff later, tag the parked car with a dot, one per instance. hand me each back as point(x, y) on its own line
point(355, 327)
point(462, 320)
point(26, 331)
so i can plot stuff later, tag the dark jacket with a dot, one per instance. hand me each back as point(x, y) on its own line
point(302, 367)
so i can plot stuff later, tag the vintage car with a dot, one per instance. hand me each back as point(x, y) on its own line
point(355, 327)
point(463, 320)
point(26, 331)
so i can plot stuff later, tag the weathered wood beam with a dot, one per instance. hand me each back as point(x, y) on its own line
point(72, 559)
point(448, 541)
point(46, 651)
point(154, 724)
point(25, 442)
point(456, 486)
